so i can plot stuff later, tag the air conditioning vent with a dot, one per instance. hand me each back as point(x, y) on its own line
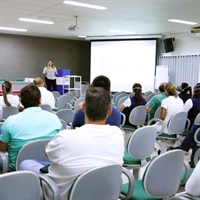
point(195, 31)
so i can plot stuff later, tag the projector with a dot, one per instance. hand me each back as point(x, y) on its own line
point(73, 28)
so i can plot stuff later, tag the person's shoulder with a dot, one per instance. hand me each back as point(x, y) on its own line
point(79, 112)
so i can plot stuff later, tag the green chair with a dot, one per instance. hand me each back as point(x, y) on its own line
point(2, 79)
point(139, 149)
point(161, 178)
point(19, 79)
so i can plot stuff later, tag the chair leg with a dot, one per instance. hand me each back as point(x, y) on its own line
point(136, 173)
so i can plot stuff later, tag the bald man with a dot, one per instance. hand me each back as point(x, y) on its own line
point(46, 96)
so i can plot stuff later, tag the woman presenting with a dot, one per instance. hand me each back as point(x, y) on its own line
point(50, 78)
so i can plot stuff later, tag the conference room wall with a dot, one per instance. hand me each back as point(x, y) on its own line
point(25, 56)
point(184, 44)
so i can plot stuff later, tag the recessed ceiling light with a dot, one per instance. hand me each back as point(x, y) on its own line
point(182, 21)
point(124, 32)
point(36, 21)
point(13, 29)
point(74, 3)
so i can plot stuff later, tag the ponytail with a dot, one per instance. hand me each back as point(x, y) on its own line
point(137, 88)
point(6, 87)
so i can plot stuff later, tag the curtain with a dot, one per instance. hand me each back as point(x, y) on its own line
point(182, 68)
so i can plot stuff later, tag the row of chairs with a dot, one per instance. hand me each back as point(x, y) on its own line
point(161, 180)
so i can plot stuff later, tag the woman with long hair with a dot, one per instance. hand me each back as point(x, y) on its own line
point(185, 91)
point(50, 71)
point(132, 102)
point(8, 99)
point(169, 106)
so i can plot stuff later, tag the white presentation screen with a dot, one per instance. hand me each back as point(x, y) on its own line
point(124, 63)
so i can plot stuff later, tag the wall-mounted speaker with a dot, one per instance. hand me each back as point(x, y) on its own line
point(167, 45)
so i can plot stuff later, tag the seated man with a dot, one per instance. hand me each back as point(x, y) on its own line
point(46, 95)
point(115, 116)
point(94, 144)
point(31, 124)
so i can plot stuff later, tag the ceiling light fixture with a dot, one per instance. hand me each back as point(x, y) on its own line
point(36, 21)
point(182, 21)
point(118, 31)
point(74, 3)
point(13, 29)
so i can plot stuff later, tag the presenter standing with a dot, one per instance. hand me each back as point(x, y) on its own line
point(50, 71)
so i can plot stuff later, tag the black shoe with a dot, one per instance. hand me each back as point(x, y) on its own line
point(159, 151)
point(192, 165)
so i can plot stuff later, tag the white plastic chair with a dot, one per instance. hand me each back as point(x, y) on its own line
point(25, 185)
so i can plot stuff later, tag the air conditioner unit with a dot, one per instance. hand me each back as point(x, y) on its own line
point(195, 31)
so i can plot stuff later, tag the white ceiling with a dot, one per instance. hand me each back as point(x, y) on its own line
point(139, 16)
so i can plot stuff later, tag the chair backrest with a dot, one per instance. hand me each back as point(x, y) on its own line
point(120, 100)
point(64, 124)
point(46, 107)
point(79, 100)
point(142, 141)
point(157, 113)
point(66, 114)
point(56, 94)
point(63, 100)
point(2, 79)
point(73, 92)
point(138, 115)
point(197, 120)
point(9, 110)
point(177, 122)
point(163, 174)
point(149, 96)
point(98, 183)
point(32, 150)
point(19, 79)
point(21, 185)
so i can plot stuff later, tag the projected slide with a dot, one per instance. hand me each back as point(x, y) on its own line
point(125, 63)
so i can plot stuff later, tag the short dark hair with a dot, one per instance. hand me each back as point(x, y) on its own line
point(102, 81)
point(97, 103)
point(30, 96)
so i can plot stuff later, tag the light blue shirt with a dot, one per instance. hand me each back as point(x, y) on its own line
point(31, 124)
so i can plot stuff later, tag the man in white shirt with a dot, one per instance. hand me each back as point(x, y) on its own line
point(46, 96)
point(94, 144)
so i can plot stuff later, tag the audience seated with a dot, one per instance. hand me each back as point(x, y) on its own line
point(115, 116)
point(31, 124)
point(184, 88)
point(8, 99)
point(46, 96)
point(169, 106)
point(94, 144)
point(132, 102)
point(192, 186)
point(192, 105)
point(156, 100)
